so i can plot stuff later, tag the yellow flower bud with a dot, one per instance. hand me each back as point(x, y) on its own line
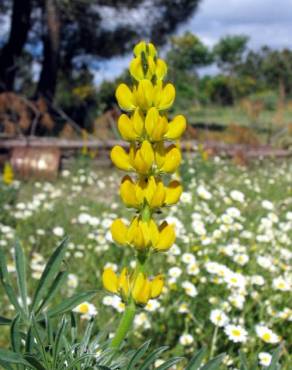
point(155, 125)
point(120, 158)
point(144, 158)
point(176, 128)
point(161, 69)
point(131, 129)
point(163, 96)
point(166, 237)
point(125, 98)
point(173, 192)
point(141, 289)
point(110, 280)
point(119, 231)
point(167, 159)
point(156, 286)
point(148, 49)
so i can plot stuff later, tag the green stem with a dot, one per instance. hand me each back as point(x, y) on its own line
point(214, 340)
point(124, 325)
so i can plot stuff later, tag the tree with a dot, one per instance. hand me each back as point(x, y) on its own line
point(229, 51)
point(188, 53)
point(74, 32)
point(20, 25)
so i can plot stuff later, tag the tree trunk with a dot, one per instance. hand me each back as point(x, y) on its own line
point(51, 41)
point(20, 25)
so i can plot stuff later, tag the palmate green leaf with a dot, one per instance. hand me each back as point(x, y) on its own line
point(275, 360)
point(12, 357)
point(138, 355)
point(21, 273)
point(69, 303)
point(5, 280)
point(49, 273)
point(15, 335)
point(4, 321)
point(150, 359)
point(196, 361)
point(214, 363)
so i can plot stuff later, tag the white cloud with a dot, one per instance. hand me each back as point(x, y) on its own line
point(264, 21)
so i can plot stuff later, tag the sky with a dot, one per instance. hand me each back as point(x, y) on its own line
point(264, 21)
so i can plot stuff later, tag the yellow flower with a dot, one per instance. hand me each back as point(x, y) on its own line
point(143, 234)
point(139, 70)
point(143, 47)
point(158, 128)
point(146, 158)
point(8, 175)
point(150, 190)
point(139, 287)
point(139, 159)
point(145, 96)
point(167, 159)
point(131, 128)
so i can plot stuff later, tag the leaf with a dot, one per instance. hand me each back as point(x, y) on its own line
point(56, 346)
point(57, 283)
point(275, 359)
point(50, 271)
point(21, 273)
point(34, 362)
point(243, 361)
point(214, 363)
point(12, 357)
point(15, 335)
point(152, 357)
point(196, 361)
point(70, 303)
point(167, 364)
point(4, 276)
point(138, 355)
point(5, 366)
point(86, 337)
point(4, 321)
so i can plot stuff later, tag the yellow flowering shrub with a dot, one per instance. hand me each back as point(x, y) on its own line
point(151, 155)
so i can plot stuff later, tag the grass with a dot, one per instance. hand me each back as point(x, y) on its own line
point(220, 233)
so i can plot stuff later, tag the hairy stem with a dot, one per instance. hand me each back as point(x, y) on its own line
point(124, 325)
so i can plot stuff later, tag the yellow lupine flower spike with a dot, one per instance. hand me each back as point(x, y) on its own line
point(145, 125)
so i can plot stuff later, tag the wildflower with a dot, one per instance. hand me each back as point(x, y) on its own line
point(150, 190)
point(265, 359)
point(237, 196)
point(189, 288)
point(72, 281)
point(146, 127)
point(218, 318)
point(236, 333)
point(8, 175)
point(267, 335)
point(86, 309)
point(58, 231)
point(143, 234)
point(280, 283)
point(139, 287)
point(186, 339)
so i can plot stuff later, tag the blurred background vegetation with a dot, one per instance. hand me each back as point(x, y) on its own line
point(52, 51)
